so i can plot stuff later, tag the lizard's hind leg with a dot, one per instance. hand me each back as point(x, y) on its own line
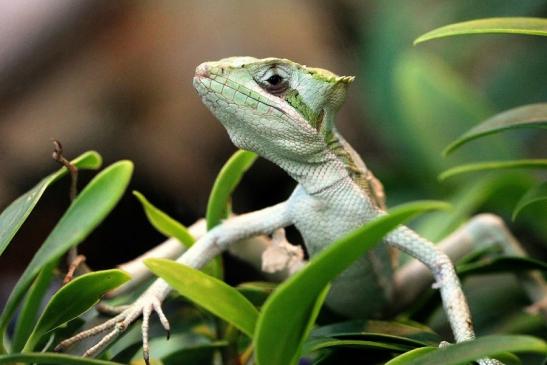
point(482, 231)
point(446, 280)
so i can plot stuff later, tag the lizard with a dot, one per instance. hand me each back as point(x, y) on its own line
point(285, 112)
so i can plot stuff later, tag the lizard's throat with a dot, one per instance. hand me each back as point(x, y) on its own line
point(319, 174)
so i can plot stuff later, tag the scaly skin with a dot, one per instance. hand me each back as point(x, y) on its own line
point(285, 112)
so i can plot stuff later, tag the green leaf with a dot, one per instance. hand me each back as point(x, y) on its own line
point(212, 294)
point(17, 212)
point(519, 25)
point(409, 356)
point(536, 194)
point(164, 223)
point(410, 334)
point(26, 320)
point(501, 264)
point(533, 115)
point(493, 165)
point(73, 299)
point(195, 355)
point(313, 313)
point(184, 348)
point(227, 180)
point(173, 228)
point(464, 352)
point(51, 358)
point(218, 205)
point(317, 344)
point(284, 318)
point(257, 291)
point(89, 208)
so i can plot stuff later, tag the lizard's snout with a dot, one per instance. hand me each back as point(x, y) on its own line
point(202, 70)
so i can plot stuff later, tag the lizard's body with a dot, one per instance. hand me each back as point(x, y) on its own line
point(285, 112)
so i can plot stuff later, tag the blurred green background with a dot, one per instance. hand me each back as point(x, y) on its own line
point(116, 77)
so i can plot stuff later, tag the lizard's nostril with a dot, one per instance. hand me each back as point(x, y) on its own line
point(202, 70)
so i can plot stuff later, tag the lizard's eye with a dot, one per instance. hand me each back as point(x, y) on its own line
point(275, 84)
point(274, 80)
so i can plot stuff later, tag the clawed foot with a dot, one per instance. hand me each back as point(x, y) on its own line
point(117, 325)
point(282, 255)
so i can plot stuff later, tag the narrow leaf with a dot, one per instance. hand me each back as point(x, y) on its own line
point(329, 343)
point(218, 205)
point(227, 180)
point(195, 355)
point(501, 264)
point(493, 165)
point(88, 210)
point(464, 352)
point(17, 212)
point(536, 194)
point(517, 25)
point(256, 292)
point(533, 115)
point(311, 319)
point(52, 358)
point(284, 318)
point(411, 334)
point(164, 223)
point(409, 356)
point(73, 299)
point(212, 294)
point(28, 315)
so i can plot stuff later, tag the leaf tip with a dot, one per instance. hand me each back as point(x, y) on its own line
point(126, 275)
point(153, 262)
point(442, 176)
point(419, 40)
point(448, 150)
point(97, 157)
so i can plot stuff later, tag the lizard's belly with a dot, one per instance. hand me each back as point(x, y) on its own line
point(365, 288)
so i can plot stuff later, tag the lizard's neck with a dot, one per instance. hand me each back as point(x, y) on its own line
point(331, 168)
point(320, 176)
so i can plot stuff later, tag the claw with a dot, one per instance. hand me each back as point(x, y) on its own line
point(163, 319)
point(145, 325)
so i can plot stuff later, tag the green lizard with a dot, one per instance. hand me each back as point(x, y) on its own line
point(285, 112)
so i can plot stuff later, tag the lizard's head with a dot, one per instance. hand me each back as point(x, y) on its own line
point(272, 106)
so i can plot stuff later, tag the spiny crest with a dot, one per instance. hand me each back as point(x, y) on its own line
point(328, 76)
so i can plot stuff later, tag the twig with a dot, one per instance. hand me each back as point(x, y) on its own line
point(73, 259)
point(58, 156)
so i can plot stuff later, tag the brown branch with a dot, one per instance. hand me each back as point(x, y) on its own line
point(73, 259)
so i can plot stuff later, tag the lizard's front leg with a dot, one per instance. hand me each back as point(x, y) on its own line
point(264, 221)
point(446, 281)
point(249, 250)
